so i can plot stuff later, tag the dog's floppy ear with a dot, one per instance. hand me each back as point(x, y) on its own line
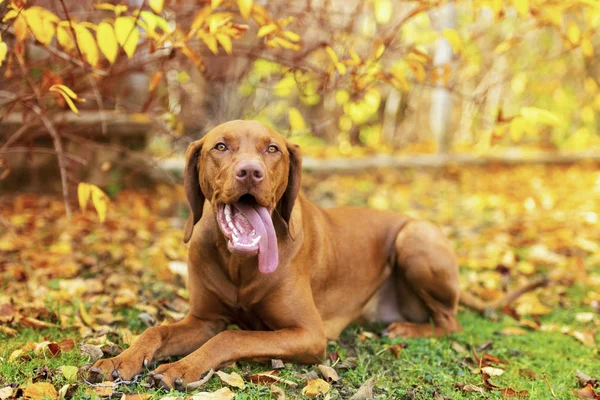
point(193, 192)
point(286, 203)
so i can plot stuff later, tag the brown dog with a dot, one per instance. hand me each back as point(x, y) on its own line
point(286, 271)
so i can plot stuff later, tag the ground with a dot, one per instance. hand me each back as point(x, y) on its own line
point(71, 287)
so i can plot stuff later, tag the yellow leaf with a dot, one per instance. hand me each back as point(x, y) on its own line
point(211, 43)
point(65, 38)
point(39, 391)
point(232, 379)
point(221, 394)
point(535, 114)
point(286, 44)
point(342, 96)
point(215, 3)
point(296, 121)
point(587, 48)
point(127, 34)
point(66, 95)
point(293, 36)
point(3, 51)
point(245, 7)
point(100, 202)
point(267, 29)
point(107, 41)
point(69, 372)
point(379, 50)
point(65, 89)
point(315, 387)
point(454, 39)
point(225, 42)
point(156, 5)
point(522, 7)
point(41, 22)
point(383, 11)
point(85, 317)
point(517, 129)
point(491, 371)
point(87, 44)
point(192, 55)
point(573, 33)
point(332, 55)
point(83, 194)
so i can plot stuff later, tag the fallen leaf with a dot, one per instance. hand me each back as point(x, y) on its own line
point(267, 377)
point(35, 323)
point(91, 351)
point(39, 391)
point(6, 392)
point(233, 379)
point(104, 389)
point(585, 337)
point(584, 317)
point(584, 379)
point(277, 364)
point(491, 371)
point(469, 388)
point(328, 373)
point(365, 392)
point(513, 331)
point(397, 349)
point(587, 392)
point(348, 363)
point(137, 396)
point(7, 313)
point(8, 331)
point(69, 372)
point(509, 393)
point(277, 392)
point(221, 394)
point(315, 387)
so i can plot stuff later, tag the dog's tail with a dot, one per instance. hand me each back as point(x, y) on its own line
point(475, 303)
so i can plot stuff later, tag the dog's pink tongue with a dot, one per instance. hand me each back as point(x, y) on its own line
point(259, 218)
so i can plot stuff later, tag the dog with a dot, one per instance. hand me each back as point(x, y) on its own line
point(290, 274)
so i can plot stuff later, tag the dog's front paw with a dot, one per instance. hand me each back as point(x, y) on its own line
point(110, 369)
point(179, 375)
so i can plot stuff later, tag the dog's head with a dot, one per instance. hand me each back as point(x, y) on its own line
point(245, 170)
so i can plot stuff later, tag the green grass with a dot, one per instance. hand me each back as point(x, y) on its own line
point(425, 368)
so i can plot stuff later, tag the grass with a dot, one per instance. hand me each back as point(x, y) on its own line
point(426, 368)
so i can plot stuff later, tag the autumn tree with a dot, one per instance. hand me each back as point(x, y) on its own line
point(342, 78)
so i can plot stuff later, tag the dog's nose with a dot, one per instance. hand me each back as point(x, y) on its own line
point(249, 171)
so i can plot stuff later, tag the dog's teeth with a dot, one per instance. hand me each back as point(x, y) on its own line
point(227, 218)
point(227, 209)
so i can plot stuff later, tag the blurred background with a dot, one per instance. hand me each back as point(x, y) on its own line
point(479, 115)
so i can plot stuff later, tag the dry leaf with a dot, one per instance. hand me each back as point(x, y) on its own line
point(491, 371)
point(267, 377)
point(470, 388)
point(277, 392)
point(6, 392)
point(365, 392)
point(328, 373)
point(104, 389)
point(587, 392)
point(233, 379)
point(315, 387)
point(40, 391)
point(584, 379)
point(221, 394)
point(277, 364)
point(512, 331)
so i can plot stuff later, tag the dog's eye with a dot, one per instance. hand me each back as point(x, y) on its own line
point(221, 146)
point(272, 149)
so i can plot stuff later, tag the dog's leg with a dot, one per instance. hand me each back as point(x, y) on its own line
point(427, 282)
point(178, 339)
point(298, 336)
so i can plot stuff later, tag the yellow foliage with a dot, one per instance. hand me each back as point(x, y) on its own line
point(127, 34)
point(87, 44)
point(87, 191)
point(107, 41)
